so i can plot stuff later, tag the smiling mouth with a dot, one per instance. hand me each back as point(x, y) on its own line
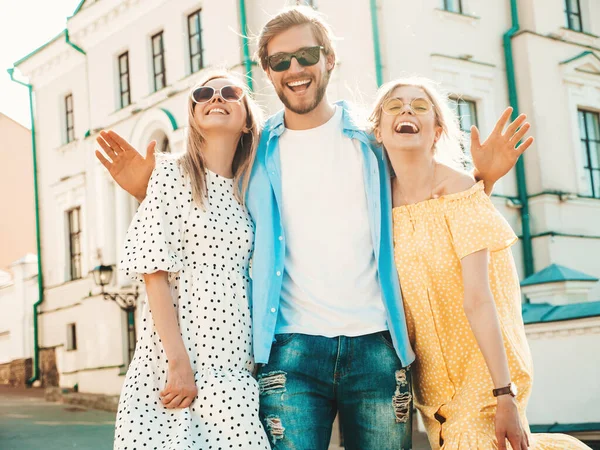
point(299, 85)
point(407, 128)
point(218, 111)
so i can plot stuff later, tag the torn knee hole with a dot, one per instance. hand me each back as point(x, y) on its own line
point(272, 382)
point(401, 401)
point(274, 428)
point(401, 377)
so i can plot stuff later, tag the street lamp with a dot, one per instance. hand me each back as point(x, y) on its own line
point(127, 302)
point(103, 276)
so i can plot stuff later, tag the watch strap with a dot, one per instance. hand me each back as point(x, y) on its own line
point(503, 391)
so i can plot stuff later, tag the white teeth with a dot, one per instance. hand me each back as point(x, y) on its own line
point(409, 124)
point(217, 111)
point(298, 83)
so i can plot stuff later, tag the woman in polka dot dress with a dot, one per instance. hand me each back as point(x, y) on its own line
point(458, 278)
point(190, 383)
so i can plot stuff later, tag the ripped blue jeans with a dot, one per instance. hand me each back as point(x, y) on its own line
point(311, 378)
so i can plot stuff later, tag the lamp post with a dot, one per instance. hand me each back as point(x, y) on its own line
point(127, 302)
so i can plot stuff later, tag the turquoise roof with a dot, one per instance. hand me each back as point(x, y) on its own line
point(555, 273)
point(544, 312)
point(566, 427)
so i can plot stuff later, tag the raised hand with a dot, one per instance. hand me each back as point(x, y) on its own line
point(128, 168)
point(499, 152)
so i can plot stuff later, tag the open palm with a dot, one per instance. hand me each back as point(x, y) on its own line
point(500, 151)
point(127, 166)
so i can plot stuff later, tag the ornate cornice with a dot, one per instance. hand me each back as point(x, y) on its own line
point(567, 328)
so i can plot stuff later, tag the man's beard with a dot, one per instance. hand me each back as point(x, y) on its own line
point(321, 89)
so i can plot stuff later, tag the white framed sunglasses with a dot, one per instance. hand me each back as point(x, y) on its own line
point(229, 93)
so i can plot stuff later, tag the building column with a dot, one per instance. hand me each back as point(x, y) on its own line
point(105, 215)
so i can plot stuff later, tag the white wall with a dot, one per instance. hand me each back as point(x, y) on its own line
point(101, 341)
point(16, 303)
point(567, 370)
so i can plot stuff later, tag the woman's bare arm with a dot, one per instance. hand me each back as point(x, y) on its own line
point(180, 389)
point(480, 310)
point(164, 315)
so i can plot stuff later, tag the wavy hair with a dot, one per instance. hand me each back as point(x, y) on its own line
point(449, 148)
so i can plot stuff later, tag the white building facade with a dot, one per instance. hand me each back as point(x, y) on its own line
point(18, 291)
point(128, 65)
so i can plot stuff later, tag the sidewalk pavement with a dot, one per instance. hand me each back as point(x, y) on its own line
point(28, 422)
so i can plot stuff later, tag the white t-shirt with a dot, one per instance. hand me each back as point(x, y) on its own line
point(330, 284)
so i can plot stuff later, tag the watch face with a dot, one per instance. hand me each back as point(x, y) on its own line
point(513, 389)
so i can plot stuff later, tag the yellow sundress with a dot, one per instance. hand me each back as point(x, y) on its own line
point(452, 384)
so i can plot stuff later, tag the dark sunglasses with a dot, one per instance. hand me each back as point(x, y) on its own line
point(307, 56)
point(204, 94)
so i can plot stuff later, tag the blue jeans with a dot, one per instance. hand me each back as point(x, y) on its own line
point(311, 378)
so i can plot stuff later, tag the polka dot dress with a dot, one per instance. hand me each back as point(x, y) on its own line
point(206, 253)
point(452, 384)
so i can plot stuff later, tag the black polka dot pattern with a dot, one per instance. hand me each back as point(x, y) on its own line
point(206, 252)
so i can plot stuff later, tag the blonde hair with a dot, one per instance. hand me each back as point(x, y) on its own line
point(192, 161)
point(292, 17)
point(449, 148)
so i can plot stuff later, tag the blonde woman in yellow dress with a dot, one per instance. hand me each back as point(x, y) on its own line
point(473, 372)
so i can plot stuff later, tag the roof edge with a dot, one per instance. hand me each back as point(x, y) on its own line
point(78, 8)
point(581, 55)
point(547, 313)
point(536, 283)
point(15, 121)
point(40, 48)
point(565, 427)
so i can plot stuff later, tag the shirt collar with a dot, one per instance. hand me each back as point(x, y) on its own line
point(275, 124)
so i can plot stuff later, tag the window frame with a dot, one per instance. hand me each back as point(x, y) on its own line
point(161, 54)
point(75, 266)
point(122, 74)
point(584, 140)
point(71, 336)
point(461, 101)
point(197, 36)
point(446, 6)
point(569, 16)
point(69, 119)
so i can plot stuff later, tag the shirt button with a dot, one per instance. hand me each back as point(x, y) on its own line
point(273, 310)
point(272, 173)
point(281, 238)
point(278, 273)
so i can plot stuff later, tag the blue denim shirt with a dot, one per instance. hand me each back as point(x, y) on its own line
point(264, 200)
